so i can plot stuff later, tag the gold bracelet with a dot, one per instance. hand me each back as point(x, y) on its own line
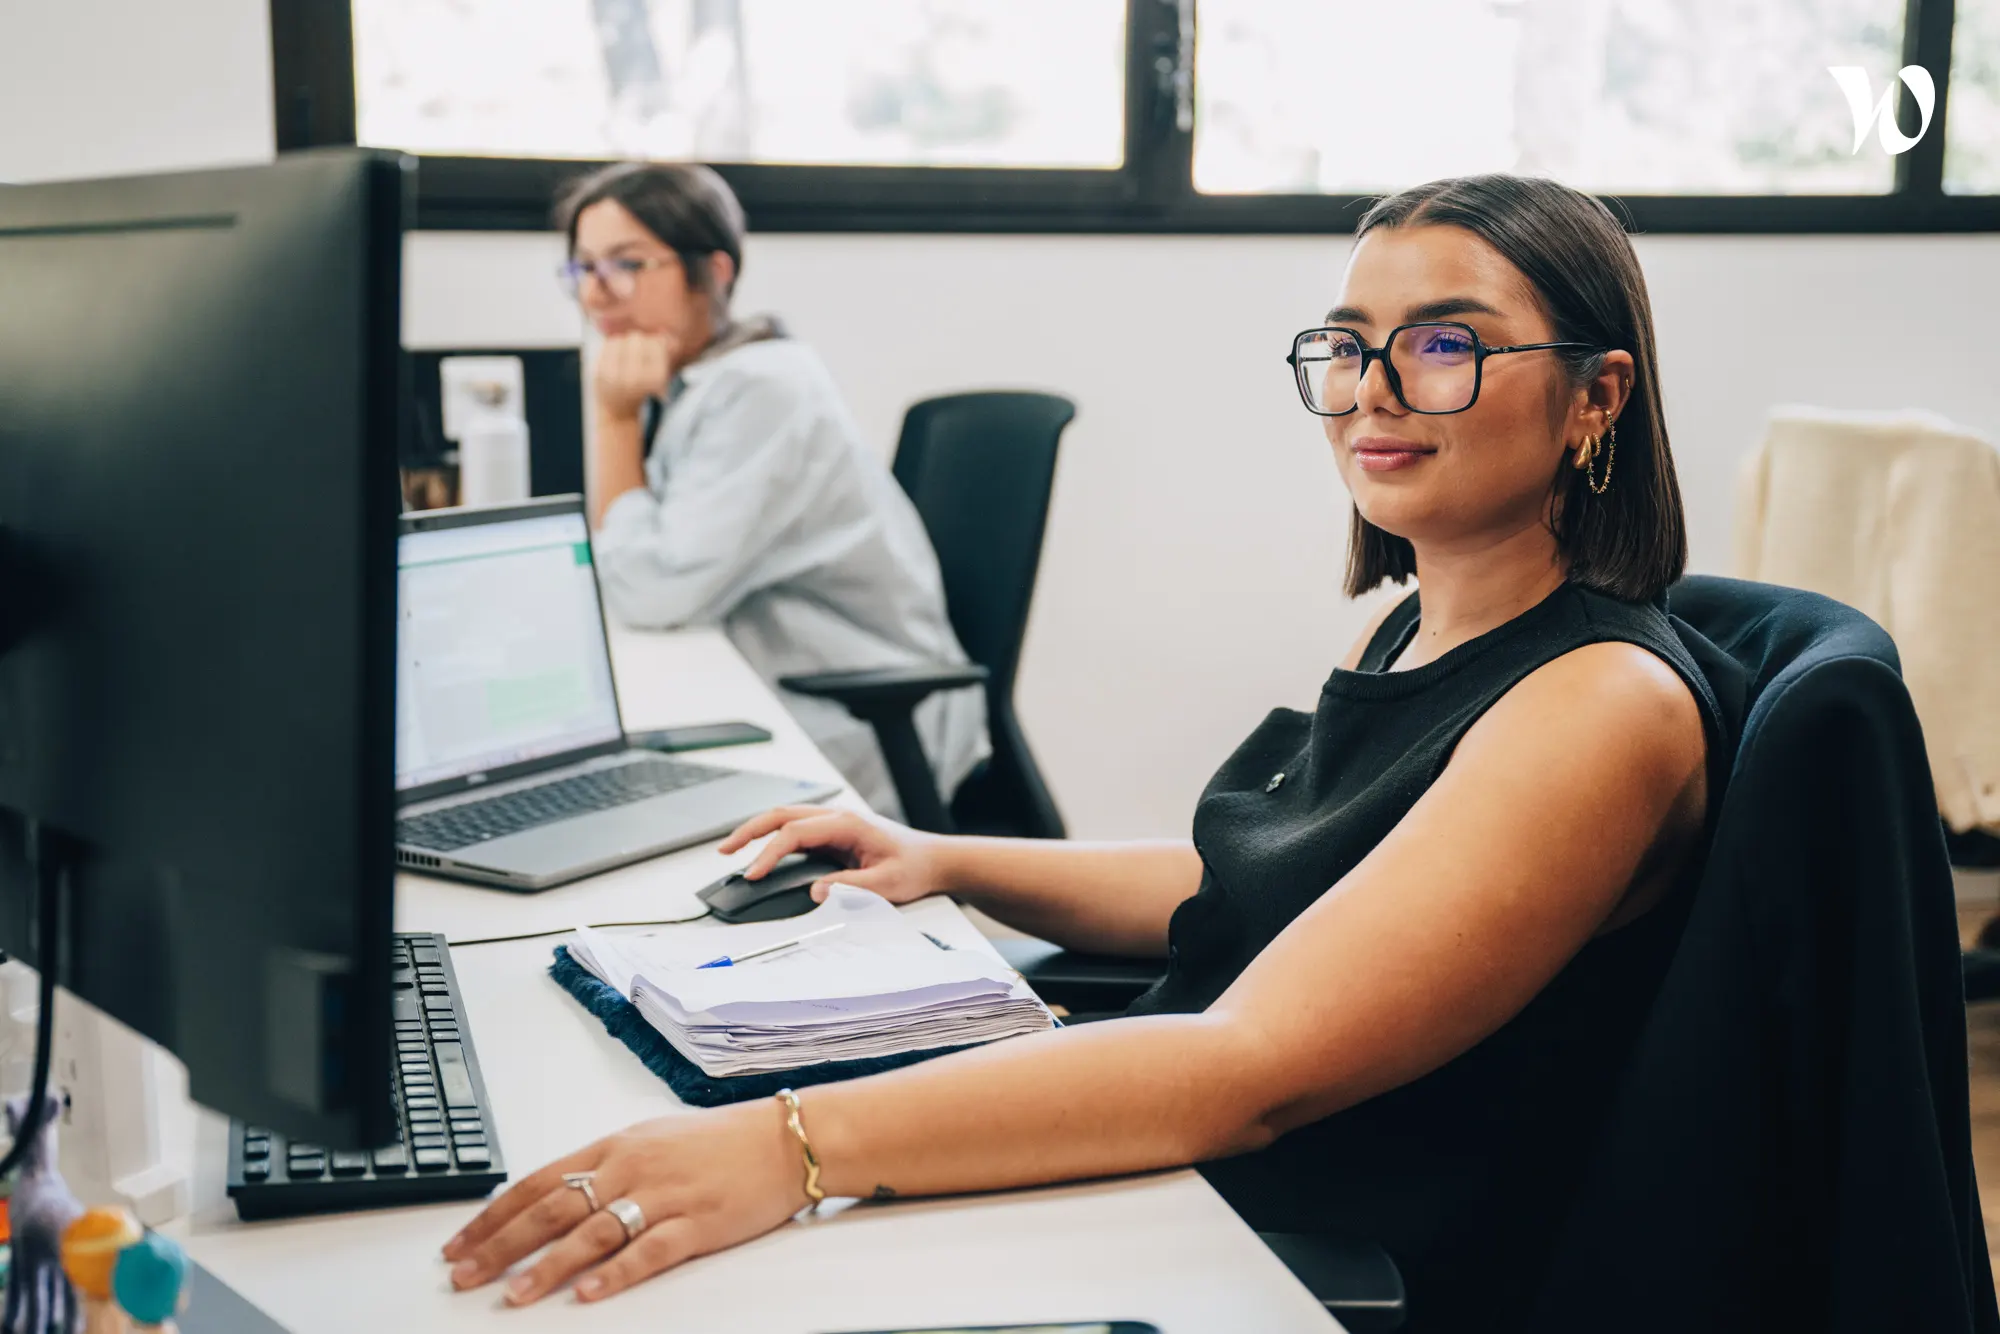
point(791, 1101)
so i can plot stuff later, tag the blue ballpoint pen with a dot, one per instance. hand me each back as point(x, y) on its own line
point(726, 960)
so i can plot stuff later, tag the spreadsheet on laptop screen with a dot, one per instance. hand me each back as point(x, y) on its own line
point(500, 646)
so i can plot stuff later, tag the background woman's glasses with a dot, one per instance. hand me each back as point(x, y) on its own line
point(618, 276)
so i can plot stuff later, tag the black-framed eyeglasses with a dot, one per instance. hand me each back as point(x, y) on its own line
point(1433, 367)
point(619, 275)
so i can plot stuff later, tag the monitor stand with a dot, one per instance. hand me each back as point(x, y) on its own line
point(124, 1101)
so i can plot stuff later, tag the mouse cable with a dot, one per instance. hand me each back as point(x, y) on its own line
point(566, 930)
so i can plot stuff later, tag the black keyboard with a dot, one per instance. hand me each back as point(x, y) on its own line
point(461, 826)
point(447, 1150)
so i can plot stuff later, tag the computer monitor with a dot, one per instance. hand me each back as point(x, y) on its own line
point(200, 382)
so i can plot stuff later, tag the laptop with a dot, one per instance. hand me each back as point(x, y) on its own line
point(512, 767)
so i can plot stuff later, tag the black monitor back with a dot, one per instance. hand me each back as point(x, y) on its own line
point(199, 405)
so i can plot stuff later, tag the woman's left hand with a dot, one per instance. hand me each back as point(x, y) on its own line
point(703, 1180)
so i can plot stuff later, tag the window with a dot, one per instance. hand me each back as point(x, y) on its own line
point(1972, 132)
point(1161, 115)
point(1705, 97)
point(856, 82)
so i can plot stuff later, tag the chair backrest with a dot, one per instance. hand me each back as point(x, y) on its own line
point(1812, 1011)
point(979, 468)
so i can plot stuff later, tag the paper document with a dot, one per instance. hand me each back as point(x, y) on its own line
point(877, 987)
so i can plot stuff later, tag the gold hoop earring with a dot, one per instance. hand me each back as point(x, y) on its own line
point(1598, 488)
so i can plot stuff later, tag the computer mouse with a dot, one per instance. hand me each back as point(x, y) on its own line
point(786, 891)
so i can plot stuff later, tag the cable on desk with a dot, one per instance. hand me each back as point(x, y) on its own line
point(566, 930)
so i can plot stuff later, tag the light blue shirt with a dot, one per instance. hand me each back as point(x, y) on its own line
point(765, 514)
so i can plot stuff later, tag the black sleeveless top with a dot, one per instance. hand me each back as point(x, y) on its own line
point(1462, 1174)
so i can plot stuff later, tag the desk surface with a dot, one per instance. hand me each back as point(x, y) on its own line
point(1163, 1248)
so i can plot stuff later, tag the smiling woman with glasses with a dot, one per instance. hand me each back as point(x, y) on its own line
point(1414, 931)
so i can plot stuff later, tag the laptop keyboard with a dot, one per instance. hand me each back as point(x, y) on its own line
point(473, 822)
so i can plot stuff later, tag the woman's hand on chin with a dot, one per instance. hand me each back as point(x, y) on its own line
point(704, 1181)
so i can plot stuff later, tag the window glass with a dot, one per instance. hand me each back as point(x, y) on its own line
point(1613, 96)
point(1972, 123)
point(999, 83)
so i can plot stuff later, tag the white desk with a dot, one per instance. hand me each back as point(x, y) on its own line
point(1163, 1248)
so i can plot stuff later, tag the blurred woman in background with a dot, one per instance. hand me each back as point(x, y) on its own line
point(728, 484)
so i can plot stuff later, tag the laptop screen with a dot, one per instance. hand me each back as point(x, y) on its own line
point(500, 648)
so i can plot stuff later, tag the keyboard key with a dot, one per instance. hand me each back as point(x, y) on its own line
point(349, 1164)
point(468, 1141)
point(405, 1005)
point(427, 1141)
point(426, 1103)
point(257, 1170)
point(312, 1166)
point(307, 1150)
point(451, 1070)
point(395, 1158)
point(433, 1003)
point(432, 1160)
point(426, 954)
point(474, 1155)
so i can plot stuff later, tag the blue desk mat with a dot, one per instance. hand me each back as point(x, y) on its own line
point(689, 1082)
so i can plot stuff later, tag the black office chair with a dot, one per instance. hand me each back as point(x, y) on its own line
point(979, 469)
point(1830, 786)
point(1790, 1146)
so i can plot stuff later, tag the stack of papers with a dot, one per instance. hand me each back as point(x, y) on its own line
point(878, 986)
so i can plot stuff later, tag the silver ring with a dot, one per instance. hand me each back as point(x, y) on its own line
point(629, 1215)
point(581, 1181)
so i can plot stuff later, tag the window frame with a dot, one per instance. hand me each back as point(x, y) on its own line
point(312, 45)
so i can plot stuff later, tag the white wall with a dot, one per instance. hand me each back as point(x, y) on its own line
point(1194, 554)
point(1193, 560)
point(111, 87)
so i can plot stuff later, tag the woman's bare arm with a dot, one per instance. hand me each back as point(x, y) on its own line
point(1102, 898)
point(1533, 836)
point(1502, 871)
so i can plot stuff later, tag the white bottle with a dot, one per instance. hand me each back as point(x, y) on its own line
point(492, 452)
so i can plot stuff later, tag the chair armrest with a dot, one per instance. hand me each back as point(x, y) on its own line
point(1355, 1280)
point(1083, 984)
point(884, 689)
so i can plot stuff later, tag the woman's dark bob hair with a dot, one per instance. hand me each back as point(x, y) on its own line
point(690, 208)
point(1630, 542)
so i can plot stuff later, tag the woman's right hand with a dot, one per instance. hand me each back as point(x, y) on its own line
point(899, 863)
point(631, 368)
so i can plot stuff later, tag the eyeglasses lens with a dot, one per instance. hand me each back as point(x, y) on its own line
point(615, 276)
point(1436, 365)
point(1329, 364)
point(1436, 368)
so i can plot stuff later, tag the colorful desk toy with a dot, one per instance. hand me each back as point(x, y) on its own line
point(126, 1279)
point(131, 1281)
